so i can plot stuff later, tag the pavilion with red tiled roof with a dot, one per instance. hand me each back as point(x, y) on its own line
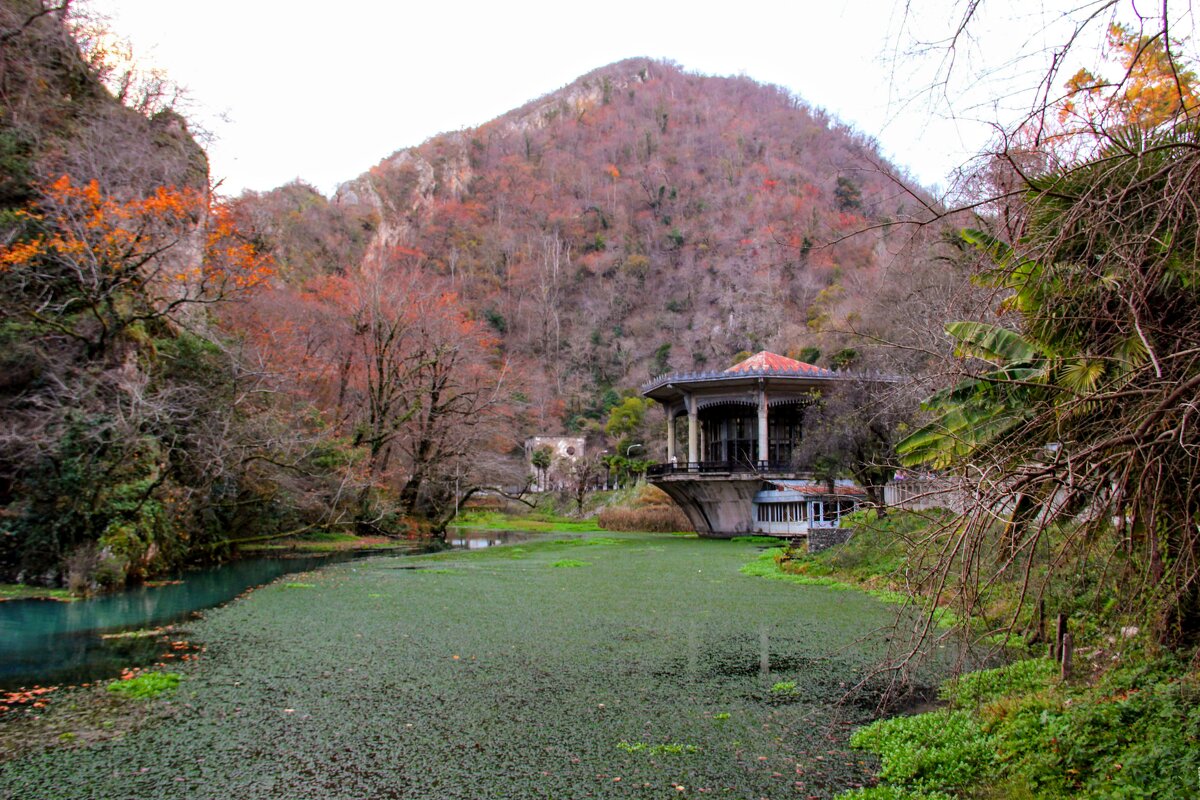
point(749, 414)
point(741, 428)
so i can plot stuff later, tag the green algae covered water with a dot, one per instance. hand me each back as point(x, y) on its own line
point(620, 666)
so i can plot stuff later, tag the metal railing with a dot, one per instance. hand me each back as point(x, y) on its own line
point(720, 468)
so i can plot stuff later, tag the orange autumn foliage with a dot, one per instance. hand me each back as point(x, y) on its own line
point(114, 238)
point(92, 263)
point(1152, 87)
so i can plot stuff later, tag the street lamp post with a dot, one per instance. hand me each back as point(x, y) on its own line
point(630, 449)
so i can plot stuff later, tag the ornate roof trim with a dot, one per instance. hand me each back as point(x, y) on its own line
point(761, 365)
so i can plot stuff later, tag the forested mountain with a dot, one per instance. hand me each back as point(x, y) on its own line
point(640, 220)
point(180, 374)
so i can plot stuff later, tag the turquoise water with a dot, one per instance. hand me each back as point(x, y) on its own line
point(48, 642)
point(44, 641)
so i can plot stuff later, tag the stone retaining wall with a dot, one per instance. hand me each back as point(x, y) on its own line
point(822, 538)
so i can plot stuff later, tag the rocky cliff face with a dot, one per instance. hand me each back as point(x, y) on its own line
point(401, 190)
point(58, 119)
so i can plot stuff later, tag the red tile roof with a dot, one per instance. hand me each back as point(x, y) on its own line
point(773, 362)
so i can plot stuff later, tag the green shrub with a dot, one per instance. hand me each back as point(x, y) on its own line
point(335, 453)
point(1135, 734)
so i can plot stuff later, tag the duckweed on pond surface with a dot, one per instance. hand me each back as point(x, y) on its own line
point(495, 675)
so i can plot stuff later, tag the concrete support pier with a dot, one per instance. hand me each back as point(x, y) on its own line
point(715, 507)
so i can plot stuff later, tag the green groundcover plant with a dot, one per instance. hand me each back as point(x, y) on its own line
point(1016, 731)
point(146, 685)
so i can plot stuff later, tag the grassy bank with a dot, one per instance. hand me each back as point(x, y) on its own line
point(322, 542)
point(1020, 732)
point(776, 563)
point(542, 522)
point(637, 508)
point(643, 507)
point(612, 666)
point(1127, 725)
point(21, 591)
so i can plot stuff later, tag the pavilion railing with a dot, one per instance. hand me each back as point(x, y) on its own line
point(720, 467)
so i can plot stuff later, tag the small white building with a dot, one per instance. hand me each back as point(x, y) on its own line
point(793, 508)
point(564, 452)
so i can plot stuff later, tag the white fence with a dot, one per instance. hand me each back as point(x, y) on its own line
point(919, 493)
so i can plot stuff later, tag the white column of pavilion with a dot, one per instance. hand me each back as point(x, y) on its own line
point(763, 429)
point(693, 428)
point(670, 435)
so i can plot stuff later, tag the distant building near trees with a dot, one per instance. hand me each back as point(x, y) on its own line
point(550, 459)
point(731, 440)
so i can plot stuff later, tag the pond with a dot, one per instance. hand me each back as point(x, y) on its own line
point(47, 642)
point(478, 538)
point(617, 666)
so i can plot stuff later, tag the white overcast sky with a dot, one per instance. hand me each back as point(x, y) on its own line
point(322, 91)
